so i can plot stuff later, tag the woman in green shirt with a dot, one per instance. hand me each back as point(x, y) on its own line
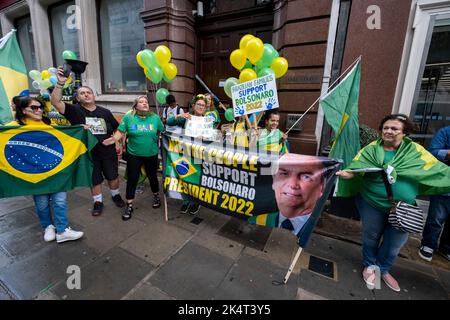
point(142, 127)
point(381, 241)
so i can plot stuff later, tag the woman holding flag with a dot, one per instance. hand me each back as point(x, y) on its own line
point(29, 112)
point(411, 170)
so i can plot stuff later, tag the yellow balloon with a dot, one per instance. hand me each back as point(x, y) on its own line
point(45, 74)
point(244, 40)
point(163, 55)
point(279, 66)
point(238, 58)
point(247, 75)
point(170, 71)
point(139, 59)
point(254, 50)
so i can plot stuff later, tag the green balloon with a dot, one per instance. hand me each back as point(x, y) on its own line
point(161, 95)
point(248, 65)
point(69, 55)
point(229, 114)
point(269, 54)
point(148, 58)
point(155, 74)
point(265, 72)
point(228, 84)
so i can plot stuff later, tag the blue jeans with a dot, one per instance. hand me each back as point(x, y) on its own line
point(59, 203)
point(437, 216)
point(381, 241)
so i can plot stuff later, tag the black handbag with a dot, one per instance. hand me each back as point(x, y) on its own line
point(403, 216)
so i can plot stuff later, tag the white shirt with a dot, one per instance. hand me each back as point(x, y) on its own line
point(172, 112)
point(298, 222)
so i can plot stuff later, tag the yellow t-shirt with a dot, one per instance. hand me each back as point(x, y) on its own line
point(29, 123)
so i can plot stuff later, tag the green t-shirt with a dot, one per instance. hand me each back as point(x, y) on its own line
point(374, 191)
point(142, 134)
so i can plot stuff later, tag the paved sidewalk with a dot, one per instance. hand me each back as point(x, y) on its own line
point(209, 256)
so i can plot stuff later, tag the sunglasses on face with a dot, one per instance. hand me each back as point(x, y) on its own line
point(35, 108)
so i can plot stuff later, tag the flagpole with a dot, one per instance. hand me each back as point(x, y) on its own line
point(329, 88)
point(294, 262)
point(165, 207)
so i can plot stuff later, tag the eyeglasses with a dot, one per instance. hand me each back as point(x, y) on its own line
point(35, 108)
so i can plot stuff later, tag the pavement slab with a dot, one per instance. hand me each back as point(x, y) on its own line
point(156, 242)
point(40, 271)
point(254, 278)
point(249, 235)
point(8, 205)
point(109, 277)
point(194, 272)
point(18, 220)
point(148, 292)
point(109, 231)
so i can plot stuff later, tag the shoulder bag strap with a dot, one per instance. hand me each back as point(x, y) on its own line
point(388, 187)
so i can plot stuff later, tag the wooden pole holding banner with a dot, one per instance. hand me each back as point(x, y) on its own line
point(165, 207)
point(294, 262)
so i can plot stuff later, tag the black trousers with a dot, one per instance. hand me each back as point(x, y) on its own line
point(134, 164)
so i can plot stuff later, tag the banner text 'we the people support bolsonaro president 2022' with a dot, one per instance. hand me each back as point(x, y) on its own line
point(287, 191)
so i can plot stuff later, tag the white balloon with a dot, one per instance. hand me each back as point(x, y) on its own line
point(36, 84)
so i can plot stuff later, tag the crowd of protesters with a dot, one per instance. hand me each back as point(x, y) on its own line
point(141, 129)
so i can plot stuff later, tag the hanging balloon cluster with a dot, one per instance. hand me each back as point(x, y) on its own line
point(254, 59)
point(157, 67)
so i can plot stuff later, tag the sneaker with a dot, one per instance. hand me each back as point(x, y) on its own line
point(118, 201)
point(127, 213)
point(194, 208)
point(391, 282)
point(426, 253)
point(68, 235)
point(98, 208)
point(369, 277)
point(184, 208)
point(156, 201)
point(49, 233)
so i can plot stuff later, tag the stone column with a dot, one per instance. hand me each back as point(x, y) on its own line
point(300, 35)
point(171, 23)
point(41, 34)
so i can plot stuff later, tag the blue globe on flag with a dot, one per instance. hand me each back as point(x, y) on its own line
point(182, 167)
point(34, 152)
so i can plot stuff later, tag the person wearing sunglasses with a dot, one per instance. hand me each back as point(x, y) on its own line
point(29, 111)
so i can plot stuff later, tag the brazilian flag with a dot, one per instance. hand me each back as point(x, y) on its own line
point(13, 74)
point(183, 167)
point(44, 159)
point(272, 141)
point(411, 161)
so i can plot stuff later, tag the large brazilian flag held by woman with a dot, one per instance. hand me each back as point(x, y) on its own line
point(44, 159)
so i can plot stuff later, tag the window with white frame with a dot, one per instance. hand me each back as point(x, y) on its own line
point(64, 30)
point(26, 44)
point(122, 37)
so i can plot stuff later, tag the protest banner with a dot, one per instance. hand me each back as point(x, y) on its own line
point(255, 96)
point(199, 127)
point(261, 188)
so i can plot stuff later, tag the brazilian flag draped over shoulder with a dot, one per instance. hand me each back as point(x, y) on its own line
point(44, 159)
point(411, 161)
point(13, 74)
